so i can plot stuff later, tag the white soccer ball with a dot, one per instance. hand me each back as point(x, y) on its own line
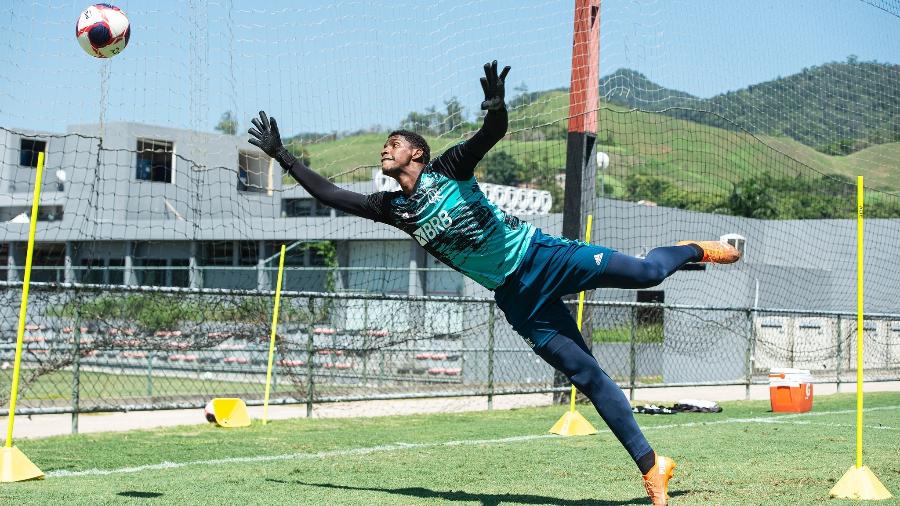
point(602, 160)
point(209, 413)
point(102, 30)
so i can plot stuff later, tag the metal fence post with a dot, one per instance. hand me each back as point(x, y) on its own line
point(309, 373)
point(490, 364)
point(76, 374)
point(365, 350)
point(632, 354)
point(150, 373)
point(840, 358)
point(751, 346)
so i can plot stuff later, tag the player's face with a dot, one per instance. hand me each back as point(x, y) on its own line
point(396, 154)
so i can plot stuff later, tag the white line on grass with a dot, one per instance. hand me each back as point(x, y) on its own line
point(292, 456)
point(62, 473)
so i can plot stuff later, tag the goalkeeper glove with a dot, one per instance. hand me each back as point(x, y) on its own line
point(267, 138)
point(492, 84)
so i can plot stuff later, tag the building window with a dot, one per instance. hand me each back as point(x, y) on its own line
point(322, 211)
point(248, 254)
point(254, 172)
point(116, 271)
point(181, 275)
point(92, 271)
point(48, 262)
point(293, 208)
point(23, 214)
point(302, 208)
point(218, 253)
point(28, 152)
point(150, 271)
point(154, 160)
point(4, 260)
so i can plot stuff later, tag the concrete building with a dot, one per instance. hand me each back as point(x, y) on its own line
point(165, 206)
point(170, 207)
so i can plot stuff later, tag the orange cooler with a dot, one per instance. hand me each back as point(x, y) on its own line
point(790, 390)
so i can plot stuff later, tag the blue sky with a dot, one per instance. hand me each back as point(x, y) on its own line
point(345, 65)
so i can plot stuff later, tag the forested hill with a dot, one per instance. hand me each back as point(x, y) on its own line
point(835, 108)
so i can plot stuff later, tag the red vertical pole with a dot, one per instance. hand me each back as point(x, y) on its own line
point(584, 92)
point(584, 97)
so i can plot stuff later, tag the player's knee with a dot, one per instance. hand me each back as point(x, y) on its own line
point(652, 274)
point(589, 379)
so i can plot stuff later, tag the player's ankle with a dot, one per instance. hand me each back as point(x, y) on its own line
point(646, 462)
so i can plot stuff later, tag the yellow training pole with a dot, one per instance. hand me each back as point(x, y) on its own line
point(23, 307)
point(587, 239)
point(859, 482)
point(860, 198)
point(572, 423)
point(15, 466)
point(272, 338)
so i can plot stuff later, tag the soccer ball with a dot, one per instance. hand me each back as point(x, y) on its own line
point(209, 413)
point(102, 30)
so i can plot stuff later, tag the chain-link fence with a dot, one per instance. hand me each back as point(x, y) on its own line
point(94, 348)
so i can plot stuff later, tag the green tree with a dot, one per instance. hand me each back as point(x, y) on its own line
point(299, 150)
point(501, 168)
point(792, 198)
point(416, 122)
point(228, 125)
point(455, 116)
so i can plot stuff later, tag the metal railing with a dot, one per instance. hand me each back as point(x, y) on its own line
point(346, 347)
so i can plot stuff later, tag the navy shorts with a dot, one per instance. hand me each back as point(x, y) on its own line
point(553, 267)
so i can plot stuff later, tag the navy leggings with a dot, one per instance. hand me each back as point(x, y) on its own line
point(570, 355)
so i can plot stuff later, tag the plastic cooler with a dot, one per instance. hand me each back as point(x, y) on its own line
point(790, 390)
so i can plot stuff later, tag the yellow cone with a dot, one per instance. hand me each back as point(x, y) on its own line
point(230, 412)
point(15, 466)
point(573, 424)
point(860, 483)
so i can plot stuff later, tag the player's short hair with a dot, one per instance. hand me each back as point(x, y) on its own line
point(416, 141)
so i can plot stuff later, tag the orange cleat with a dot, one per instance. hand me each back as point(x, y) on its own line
point(717, 252)
point(656, 481)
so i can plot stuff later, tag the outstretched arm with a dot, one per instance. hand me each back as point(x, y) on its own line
point(267, 138)
point(459, 162)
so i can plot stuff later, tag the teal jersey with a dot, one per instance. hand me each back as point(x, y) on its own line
point(446, 213)
point(455, 222)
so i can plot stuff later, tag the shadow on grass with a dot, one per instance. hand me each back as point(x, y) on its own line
point(484, 499)
point(138, 494)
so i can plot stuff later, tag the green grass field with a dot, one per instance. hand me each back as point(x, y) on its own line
point(745, 455)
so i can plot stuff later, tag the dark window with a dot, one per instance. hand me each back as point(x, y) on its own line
point(116, 271)
point(218, 253)
point(248, 254)
point(180, 272)
point(322, 210)
point(4, 260)
point(292, 208)
point(48, 262)
point(154, 160)
point(253, 172)
point(50, 213)
point(316, 258)
point(150, 271)
point(91, 271)
point(29, 149)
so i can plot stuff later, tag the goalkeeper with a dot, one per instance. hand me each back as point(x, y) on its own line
point(441, 206)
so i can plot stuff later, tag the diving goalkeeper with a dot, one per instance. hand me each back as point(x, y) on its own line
point(441, 206)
